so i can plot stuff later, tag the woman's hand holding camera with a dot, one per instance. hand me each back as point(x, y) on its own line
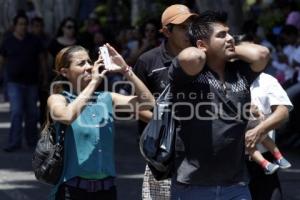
point(98, 70)
point(118, 63)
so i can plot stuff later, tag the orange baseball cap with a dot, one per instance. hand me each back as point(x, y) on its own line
point(175, 14)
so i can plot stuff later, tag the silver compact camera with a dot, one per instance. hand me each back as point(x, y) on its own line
point(105, 55)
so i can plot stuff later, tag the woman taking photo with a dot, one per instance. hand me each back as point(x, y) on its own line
point(89, 169)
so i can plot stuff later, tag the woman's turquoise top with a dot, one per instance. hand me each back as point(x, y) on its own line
point(89, 141)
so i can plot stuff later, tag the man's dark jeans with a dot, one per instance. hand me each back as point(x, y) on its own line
point(23, 104)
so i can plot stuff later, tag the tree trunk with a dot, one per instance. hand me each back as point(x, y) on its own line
point(8, 9)
point(135, 7)
point(138, 8)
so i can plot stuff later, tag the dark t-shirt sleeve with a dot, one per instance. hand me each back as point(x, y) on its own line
point(3, 48)
point(53, 47)
point(40, 46)
point(177, 76)
point(140, 70)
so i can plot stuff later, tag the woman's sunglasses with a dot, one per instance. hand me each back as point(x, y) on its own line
point(70, 26)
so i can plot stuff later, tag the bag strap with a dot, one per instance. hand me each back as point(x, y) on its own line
point(216, 91)
point(164, 95)
point(62, 130)
point(62, 127)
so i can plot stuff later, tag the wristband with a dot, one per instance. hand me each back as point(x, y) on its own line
point(127, 69)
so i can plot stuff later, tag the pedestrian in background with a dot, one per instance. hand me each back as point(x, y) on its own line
point(149, 39)
point(37, 29)
point(22, 55)
point(66, 36)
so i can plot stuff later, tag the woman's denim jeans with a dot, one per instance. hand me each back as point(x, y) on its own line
point(23, 103)
point(192, 192)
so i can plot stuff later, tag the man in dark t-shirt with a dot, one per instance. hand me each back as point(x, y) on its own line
point(21, 54)
point(152, 68)
point(210, 85)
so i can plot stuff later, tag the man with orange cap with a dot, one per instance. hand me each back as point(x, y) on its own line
point(152, 68)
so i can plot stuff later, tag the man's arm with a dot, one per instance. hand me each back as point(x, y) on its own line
point(191, 60)
point(279, 115)
point(145, 115)
point(186, 66)
point(256, 55)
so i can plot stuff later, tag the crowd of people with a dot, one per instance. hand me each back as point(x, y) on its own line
point(194, 53)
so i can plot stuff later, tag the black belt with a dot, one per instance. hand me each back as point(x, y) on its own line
point(91, 185)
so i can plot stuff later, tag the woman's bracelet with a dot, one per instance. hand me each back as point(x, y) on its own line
point(126, 70)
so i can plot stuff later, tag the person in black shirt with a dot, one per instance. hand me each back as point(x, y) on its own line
point(37, 29)
point(210, 83)
point(152, 68)
point(66, 36)
point(24, 62)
